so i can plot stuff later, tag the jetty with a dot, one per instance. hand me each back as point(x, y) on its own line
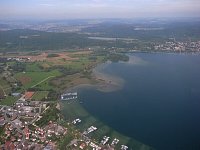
point(69, 96)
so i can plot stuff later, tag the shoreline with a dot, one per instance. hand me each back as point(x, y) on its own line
point(104, 81)
point(75, 110)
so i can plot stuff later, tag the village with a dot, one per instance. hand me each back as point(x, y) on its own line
point(30, 111)
point(18, 119)
point(22, 130)
point(177, 46)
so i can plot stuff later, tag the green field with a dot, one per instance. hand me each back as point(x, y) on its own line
point(4, 86)
point(74, 110)
point(1, 93)
point(40, 95)
point(83, 62)
point(58, 77)
point(8, 101)
point(37, 79)
point(33, 67)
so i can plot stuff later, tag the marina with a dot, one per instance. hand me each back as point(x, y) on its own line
point(69, 96)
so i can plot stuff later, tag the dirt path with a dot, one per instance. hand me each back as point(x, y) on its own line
point(42, 81)
point(3, 90)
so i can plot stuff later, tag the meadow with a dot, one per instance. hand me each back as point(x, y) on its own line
point(8, 101)
point(36, 79)
point(40, 95)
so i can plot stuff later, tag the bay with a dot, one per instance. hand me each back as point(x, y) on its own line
point(159, 103)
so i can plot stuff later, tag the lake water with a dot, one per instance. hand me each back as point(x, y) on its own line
point(159, 103)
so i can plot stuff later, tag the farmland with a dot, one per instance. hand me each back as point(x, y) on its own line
point(1, 93)
point(66, 70)
point(9, 100)
point(40, 95)
point(4, 87)
point(31, 79)
point(47, 75)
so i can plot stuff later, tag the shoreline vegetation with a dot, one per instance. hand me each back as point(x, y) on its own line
point(91, 76)
point(53, 57)
point(72, 110)
point(69, 71)
point(105, 83)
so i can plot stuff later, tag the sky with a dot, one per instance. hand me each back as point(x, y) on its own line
point(82, 9)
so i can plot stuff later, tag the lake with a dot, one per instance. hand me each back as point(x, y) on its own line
point(159, 103)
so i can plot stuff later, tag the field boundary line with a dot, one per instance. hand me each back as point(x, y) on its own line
point(3, 91)
point(42, 81)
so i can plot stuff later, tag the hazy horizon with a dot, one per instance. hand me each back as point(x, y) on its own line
point(90, 9)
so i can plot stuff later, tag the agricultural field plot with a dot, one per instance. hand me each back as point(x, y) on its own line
point(84, 62)
point(5, 87)
point(1, 93)
point(45, 57)
point(9, 100)
point(4, 84)
point(33, 79)
point(52, 59)
point(33, 67)
point(69, 81)
point(40, 95)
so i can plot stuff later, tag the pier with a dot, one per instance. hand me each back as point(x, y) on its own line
point(69, 96)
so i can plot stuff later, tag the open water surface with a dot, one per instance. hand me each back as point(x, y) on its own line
point(159, 103)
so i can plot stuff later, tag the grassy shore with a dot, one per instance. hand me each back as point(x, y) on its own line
point(99, 80)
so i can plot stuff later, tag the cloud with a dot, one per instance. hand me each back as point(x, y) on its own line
point(46, 5)
point(98, 8)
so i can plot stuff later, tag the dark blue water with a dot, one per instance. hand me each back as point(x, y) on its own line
point(159, 104)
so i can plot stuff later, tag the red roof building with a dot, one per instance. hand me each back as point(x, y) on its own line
point(26, 132)
point(9, 145)
point(28, 95)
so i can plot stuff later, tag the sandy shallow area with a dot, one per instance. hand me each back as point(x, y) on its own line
point(108, 83)
point(105, 82)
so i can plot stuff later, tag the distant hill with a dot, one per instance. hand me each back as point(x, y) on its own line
point(105, 34)
point(23, 39)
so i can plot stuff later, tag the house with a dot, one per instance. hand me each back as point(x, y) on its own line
point(2, 121)
point(50, 146)
point(14, 116)
point(9, 145)
point(16, 94)
point(54, 128)
point(18, 123)
point(28, 95)
point(82, 146)
point(60, 130)
point(26, 132)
